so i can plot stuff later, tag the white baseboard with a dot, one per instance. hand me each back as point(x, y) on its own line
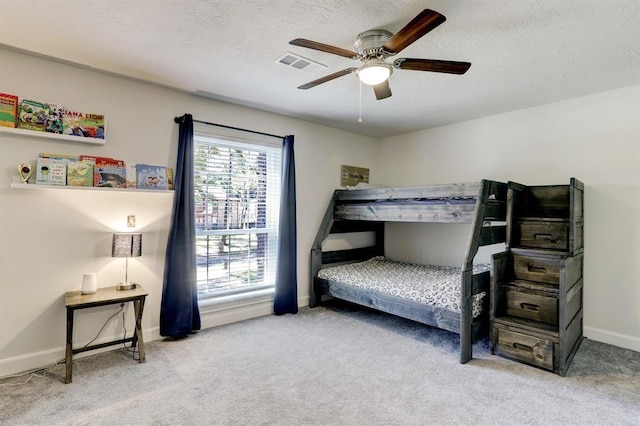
point(611, 338)
point(44, 359)
point(211, 316)
point(27, 362)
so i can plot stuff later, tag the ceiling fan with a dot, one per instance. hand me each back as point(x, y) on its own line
point(373, 47)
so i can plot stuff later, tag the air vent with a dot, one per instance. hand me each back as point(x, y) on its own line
point(296, 61)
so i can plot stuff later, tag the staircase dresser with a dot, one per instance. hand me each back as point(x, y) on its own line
point(536, 284)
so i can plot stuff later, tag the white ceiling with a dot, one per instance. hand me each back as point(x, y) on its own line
point(523, 53)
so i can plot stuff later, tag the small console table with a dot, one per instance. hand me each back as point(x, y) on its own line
point(75, 300)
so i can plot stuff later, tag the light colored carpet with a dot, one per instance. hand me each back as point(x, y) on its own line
point(335, 365)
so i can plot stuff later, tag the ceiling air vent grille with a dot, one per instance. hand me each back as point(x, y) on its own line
point(296, 61)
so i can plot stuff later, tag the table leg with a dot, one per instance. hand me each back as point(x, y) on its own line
point(138, 306)
point(69, 347)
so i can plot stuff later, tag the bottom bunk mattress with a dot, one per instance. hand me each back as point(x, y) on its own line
point(426, 284)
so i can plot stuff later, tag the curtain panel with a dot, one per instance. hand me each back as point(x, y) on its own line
point(286, 292)
point(179, 312)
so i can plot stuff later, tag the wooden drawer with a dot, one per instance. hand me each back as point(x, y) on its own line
point(531, 303)
point(541, 269)
point(542, 235)
point(525, 348)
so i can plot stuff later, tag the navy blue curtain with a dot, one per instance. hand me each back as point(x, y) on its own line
point(179, 312)
point(286, 292)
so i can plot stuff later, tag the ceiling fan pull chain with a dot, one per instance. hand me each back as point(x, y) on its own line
point(360, 99)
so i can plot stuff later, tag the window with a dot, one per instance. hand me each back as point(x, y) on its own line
point(237, 199)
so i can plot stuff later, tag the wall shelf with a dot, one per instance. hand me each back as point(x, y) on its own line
point(52, 136)
point(19, 185)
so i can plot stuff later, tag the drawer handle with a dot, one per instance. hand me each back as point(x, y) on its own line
point(545, 237)
point(536, 269)
point(530, 307)
point(522, 347)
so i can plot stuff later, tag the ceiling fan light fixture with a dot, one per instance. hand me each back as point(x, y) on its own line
point(374, 72)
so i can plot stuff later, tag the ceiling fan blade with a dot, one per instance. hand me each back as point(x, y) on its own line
point(382, 90)
point(326, 78)
point(434, 65)
point(426, 21)
point(324, 48)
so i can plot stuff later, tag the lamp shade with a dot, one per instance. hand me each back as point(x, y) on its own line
point(126, 245)
point(374, 72)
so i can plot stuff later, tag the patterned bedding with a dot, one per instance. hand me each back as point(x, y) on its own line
point(431, 285)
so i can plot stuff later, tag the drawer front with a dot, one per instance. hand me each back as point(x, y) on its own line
point(525, 348)
point(543, 235)
point(545, 270)
point(535, 307)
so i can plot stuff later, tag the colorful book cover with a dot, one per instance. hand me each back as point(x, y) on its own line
point(32, 115)
point(131, 176)
point(110, 176)
point(54, 121)
point(150, 176)
point(54, 156)
point(83, 124)
point(51, 172)
point(79, 173)
point(170, 178)
point(102, 161)
point(8, 110)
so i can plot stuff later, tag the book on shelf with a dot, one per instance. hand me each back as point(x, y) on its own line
point(79, 173)
point(83, 124)
point(51, 172)
point(8, 110)
point(151, 176)
point(131, 175)
point(62, 157)
point(109, 176)
point(54, 120)
point(32, 115)
point(170, 178)
point(102, 161)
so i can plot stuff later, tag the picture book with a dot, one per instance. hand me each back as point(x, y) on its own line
point(51, 172)
point(150, 176)
point(8, 110)
point(53, 156)
point(102, 161)
point(170, 178)
point(79, 173)
point(54, 120)
point(110, 176)
point(83, 124)
point(32, 115)
point(131, 176)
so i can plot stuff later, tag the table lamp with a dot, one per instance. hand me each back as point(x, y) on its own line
point(126, 245)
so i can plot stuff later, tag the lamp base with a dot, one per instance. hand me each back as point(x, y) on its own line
point(126, 286)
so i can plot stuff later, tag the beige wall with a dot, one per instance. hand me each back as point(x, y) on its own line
point(594, 138)
point(50, 237)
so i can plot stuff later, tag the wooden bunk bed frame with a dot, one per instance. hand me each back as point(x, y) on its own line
point(481, 204)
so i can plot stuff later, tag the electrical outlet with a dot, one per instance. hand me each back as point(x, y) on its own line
point(131, 221)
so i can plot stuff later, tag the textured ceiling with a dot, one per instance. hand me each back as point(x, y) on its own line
point(523, 53)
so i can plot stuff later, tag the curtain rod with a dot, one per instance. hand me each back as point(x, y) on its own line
point(179, 120)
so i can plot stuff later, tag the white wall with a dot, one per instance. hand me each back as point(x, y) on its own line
point(594, 138)
point(49, 238)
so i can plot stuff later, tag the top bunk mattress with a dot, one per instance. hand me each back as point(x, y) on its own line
point(427, 284)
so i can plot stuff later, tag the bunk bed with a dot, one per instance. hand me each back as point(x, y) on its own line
point(453, 299)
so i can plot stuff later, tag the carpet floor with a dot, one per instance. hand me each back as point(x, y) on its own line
point(333, 365)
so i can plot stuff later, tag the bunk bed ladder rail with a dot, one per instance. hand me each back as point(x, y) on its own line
point(480, 235)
